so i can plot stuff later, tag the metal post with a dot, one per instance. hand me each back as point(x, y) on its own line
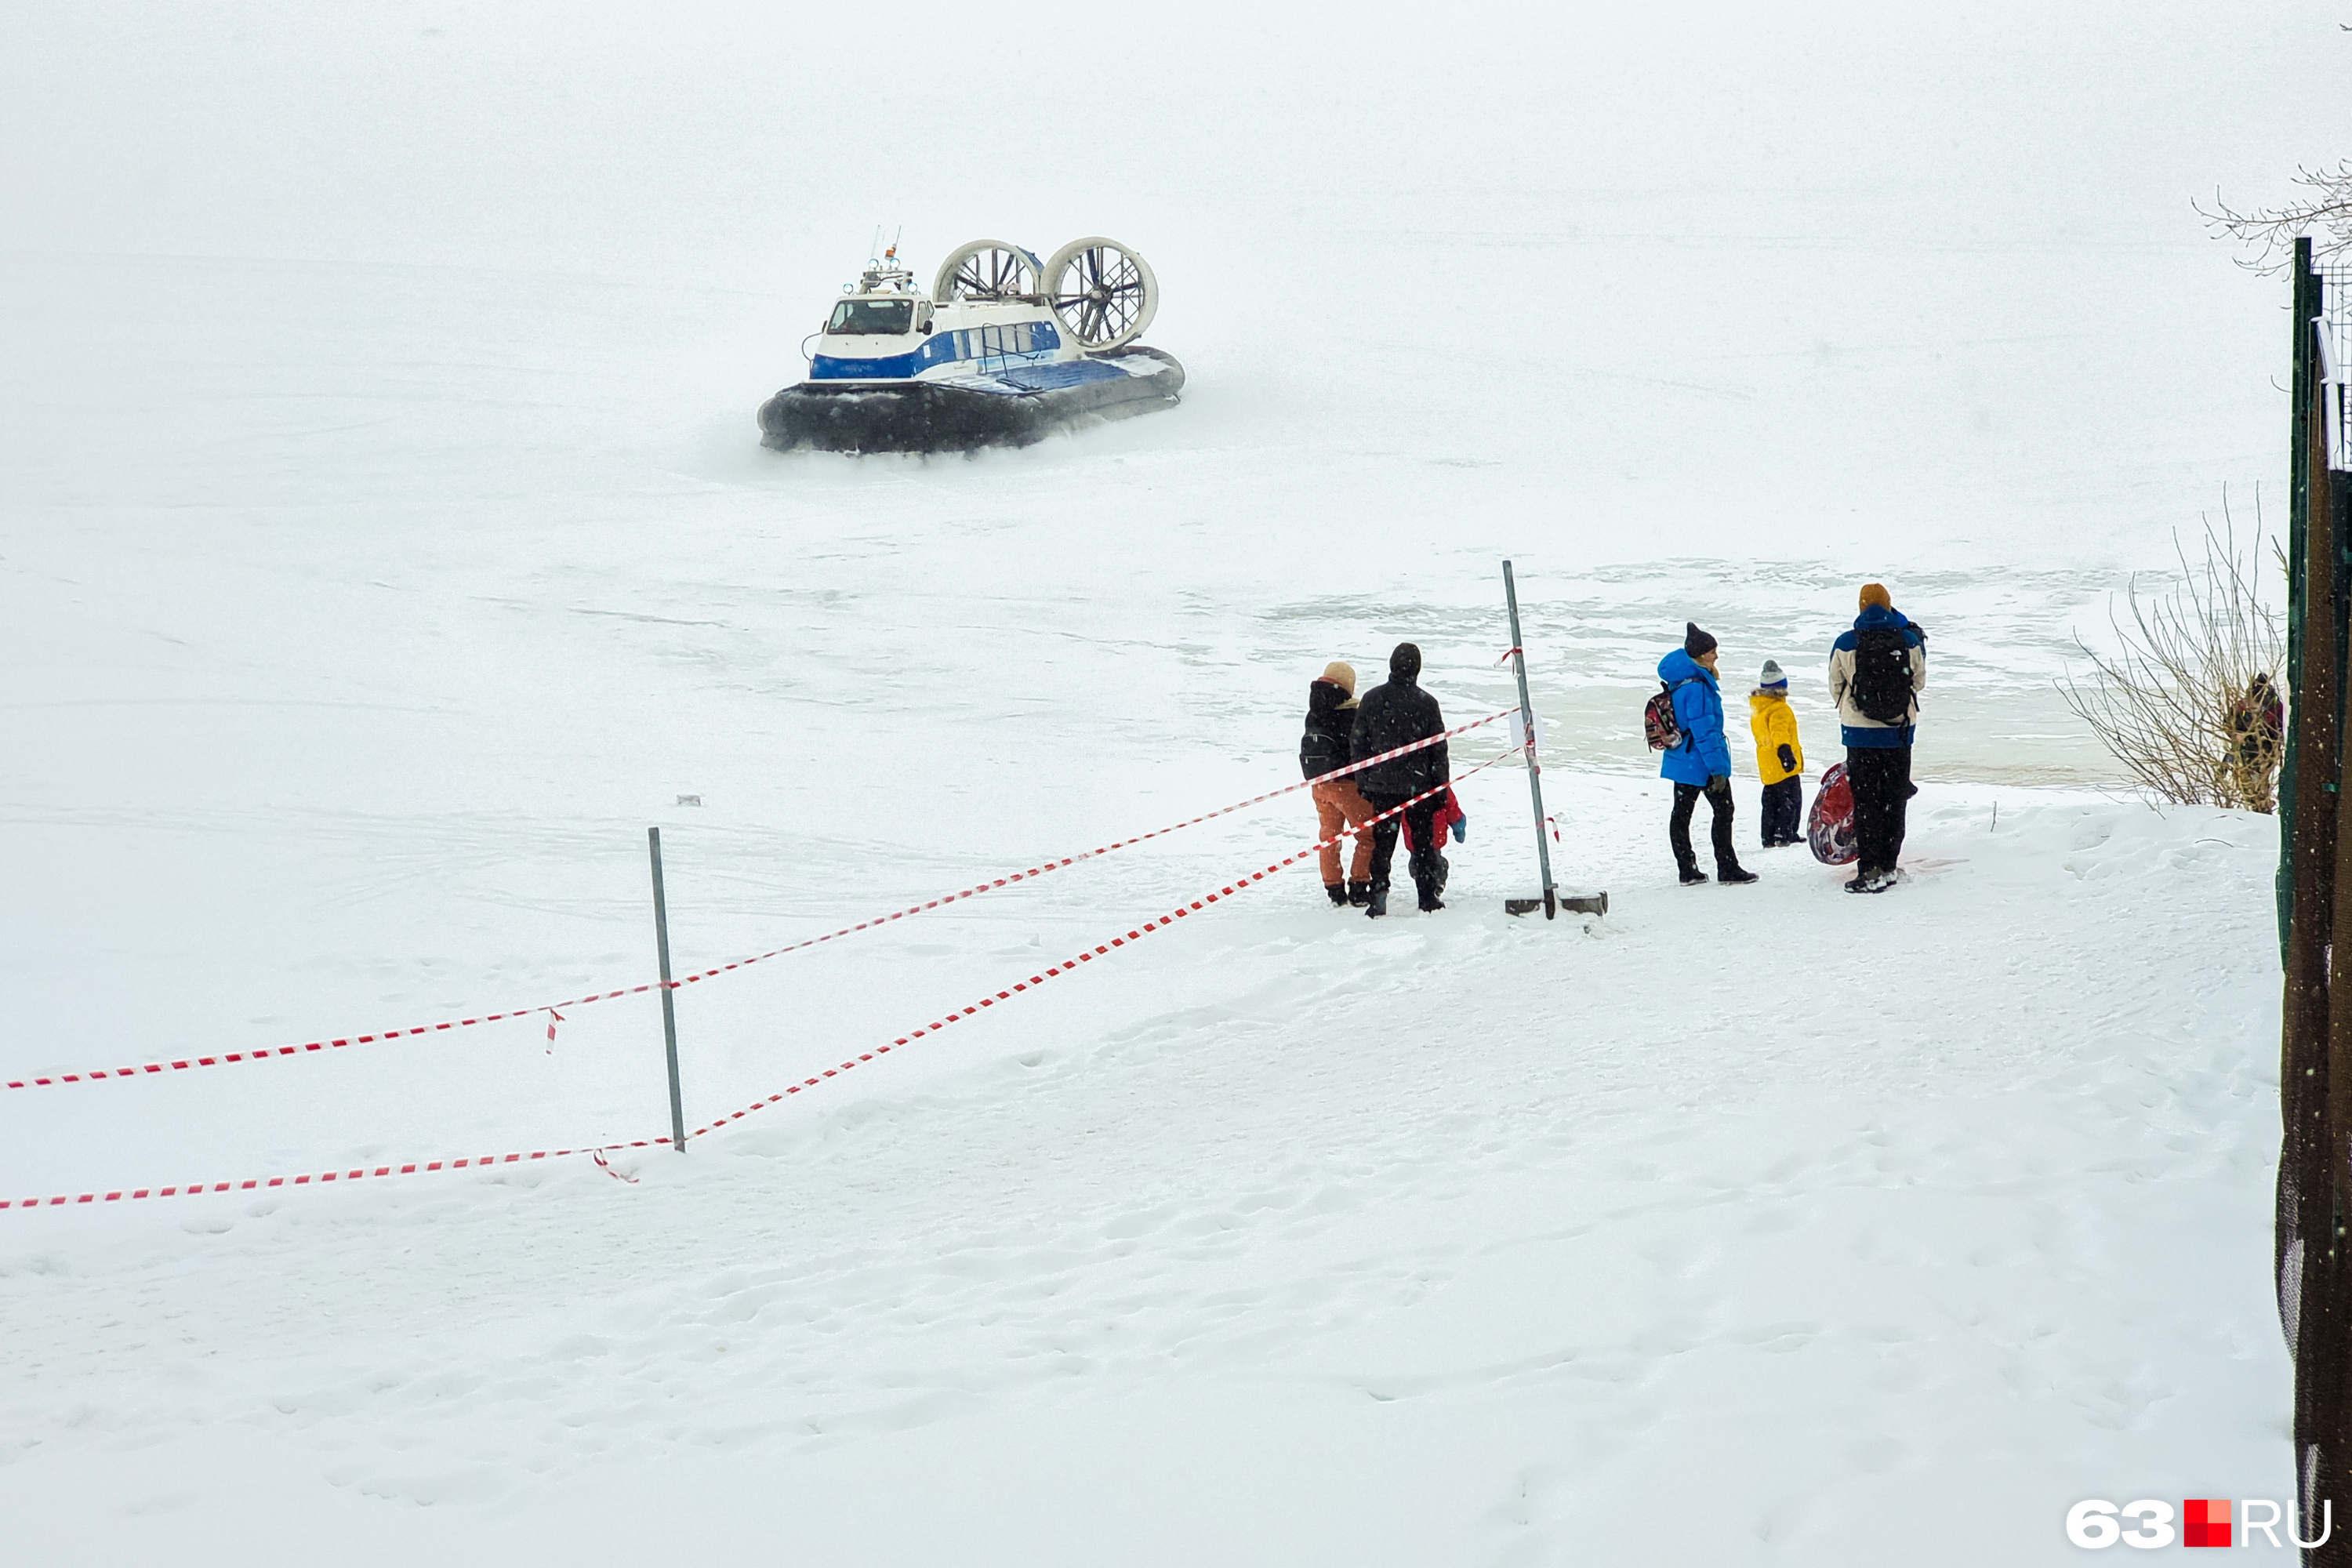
point(669, 995)
point(2305, 304)
point(1528, 723)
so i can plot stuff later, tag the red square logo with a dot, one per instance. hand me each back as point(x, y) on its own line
point(2205, 1521)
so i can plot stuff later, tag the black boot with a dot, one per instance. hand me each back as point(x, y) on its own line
point(1445, 869)
point(1427, 879)
point(1359, 893)
point(1692, 876)
point(1338, 893)
point(1376, 903)
point(1732, 872)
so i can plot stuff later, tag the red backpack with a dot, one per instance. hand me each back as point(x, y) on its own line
point(1658, 721)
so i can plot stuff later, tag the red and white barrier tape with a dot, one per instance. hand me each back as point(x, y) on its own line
point(273, 1053)
point(269, 1183)
point(1106, 849)
point(598, 1151)
point(1090, 954)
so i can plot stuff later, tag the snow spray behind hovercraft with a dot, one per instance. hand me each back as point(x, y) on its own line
point(1003, 350)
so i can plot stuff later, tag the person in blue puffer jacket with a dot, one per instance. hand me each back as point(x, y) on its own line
point(1702, 763)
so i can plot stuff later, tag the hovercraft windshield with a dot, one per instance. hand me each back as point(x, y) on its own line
point(872, 319)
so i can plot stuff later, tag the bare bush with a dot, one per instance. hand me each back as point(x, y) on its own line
point(2189, 704)
point(2269, 233)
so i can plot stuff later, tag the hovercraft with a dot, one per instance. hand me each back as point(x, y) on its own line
point(1003, 352)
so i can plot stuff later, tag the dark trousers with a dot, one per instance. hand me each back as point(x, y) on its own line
point(1425, 833)
point(1784, 809)
point(1678, 827)
point(1881, 776)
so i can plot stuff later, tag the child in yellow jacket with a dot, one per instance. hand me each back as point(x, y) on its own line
point(1779, 757)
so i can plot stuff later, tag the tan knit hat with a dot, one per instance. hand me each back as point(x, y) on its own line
point(1876, 593)
point(1342, 675)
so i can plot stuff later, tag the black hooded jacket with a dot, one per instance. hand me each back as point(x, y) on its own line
point(1329, 717)
point(1397, 713)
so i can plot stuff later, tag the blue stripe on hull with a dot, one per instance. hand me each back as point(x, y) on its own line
point(940, 348)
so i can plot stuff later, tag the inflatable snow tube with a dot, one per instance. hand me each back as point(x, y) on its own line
point(1829, 826)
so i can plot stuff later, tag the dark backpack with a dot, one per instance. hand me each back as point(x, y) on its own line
point(1664, 731)
point(1320, 751)
point(1882, 675)
point(1324, 746)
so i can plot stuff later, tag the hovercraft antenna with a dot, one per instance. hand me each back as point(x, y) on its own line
point(883, 273)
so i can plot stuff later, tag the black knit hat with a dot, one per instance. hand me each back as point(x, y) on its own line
point(1695, 641)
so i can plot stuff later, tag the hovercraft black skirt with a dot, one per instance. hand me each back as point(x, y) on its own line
point(938, 417)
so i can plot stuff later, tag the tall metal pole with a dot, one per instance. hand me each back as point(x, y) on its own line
point(1527, 725)
point(669, 994)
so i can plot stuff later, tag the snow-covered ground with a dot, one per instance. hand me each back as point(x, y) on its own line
point(1745, 1224)
point(386, 544)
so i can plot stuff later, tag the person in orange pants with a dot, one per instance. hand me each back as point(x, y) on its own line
point(1330, 717)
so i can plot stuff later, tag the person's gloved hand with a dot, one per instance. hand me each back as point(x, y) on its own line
point(1788, 759)
point(1719, 784)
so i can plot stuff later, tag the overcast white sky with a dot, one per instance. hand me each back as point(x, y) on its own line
point(534, 132)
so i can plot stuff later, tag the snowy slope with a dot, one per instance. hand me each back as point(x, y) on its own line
point(384, 544)
point(1299, 1241)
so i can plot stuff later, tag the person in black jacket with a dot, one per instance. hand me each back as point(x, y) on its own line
point(1394, 714)
point(1330, 717)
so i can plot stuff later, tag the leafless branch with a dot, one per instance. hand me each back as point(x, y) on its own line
point(2185, 704)
point(2269, 233)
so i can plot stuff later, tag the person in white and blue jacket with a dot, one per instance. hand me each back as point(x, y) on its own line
point(1877, 673)
point(1702, 763)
